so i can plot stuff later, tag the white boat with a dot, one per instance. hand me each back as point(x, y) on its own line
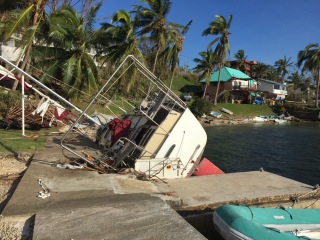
point(259, 119)
point(158, 138)
point(215, 114)
point(279, 120)
point(226, 111)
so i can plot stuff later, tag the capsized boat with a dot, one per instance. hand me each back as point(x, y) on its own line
point(243, 222)
point(156, 134)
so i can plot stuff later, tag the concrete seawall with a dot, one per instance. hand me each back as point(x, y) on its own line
point(87, 205)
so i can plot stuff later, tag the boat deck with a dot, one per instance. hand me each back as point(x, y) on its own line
point(88, 205)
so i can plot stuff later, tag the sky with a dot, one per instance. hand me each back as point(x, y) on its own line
point(267, 30)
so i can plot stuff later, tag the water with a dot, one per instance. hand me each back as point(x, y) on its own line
point(291, 150)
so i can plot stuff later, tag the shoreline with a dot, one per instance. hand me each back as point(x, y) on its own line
point(209, 121)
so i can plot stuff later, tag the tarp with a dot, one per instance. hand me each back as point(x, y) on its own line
point(227, 74)
point(120, 128)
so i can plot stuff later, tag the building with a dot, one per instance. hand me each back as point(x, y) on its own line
point(234, 85)
point(273, 90)
point(247, 68)
point(9, 50)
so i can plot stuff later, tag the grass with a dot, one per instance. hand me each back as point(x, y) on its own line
point(245, 110)
point(12, 141)
point(181, 85)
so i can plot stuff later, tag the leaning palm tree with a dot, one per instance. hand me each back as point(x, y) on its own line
point(153, 21)
point(175, 47)
point(309, 58)
point(219, 27)
point(28, 22)
point(205, 65)
point(282, 66)
point(67, 55)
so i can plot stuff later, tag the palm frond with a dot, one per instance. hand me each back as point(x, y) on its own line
point(20, 19)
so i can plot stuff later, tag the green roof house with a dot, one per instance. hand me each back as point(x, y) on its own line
point(239, 85)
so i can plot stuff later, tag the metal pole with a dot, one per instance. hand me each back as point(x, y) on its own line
point(48, 89)
point(22, 101)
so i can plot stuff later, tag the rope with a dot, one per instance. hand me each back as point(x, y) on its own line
point(45, 190)
point(315, 191)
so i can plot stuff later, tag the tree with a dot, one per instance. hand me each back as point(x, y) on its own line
point(123, 41)
point(67, 53)
point(309, 58)
point(28, 22)
point(221, 28)
point(260, 70)
point(206, 64)
point(54, 5)
point(265, 71)
point(282, 66)
point(153, 21)
point(123, 38)
point(297, 80)
point(173, 50)
point(241, 58)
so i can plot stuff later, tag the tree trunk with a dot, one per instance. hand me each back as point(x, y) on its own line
point(23, 66)
point(217, 91)
point(155, 61)
point(172, 78)
point(317, 90)
point(36, 18)
point(205, 90)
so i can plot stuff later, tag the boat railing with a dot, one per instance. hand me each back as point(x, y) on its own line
point(147, 87)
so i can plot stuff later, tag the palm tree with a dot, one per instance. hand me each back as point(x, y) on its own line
point(240, 56)
point(206, 64)
point(173, 50)
point(297, 80)
point(123, 38)
point(282, 66)
point(309, 58)
point(28, 22)
point(260, 70)
point(153, 21)
point(67, 55)
point(219, 27)
point(123, 41)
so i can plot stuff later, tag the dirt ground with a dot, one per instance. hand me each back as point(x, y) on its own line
point(11, 170)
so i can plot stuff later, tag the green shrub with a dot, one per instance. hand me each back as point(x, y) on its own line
point(200, 106)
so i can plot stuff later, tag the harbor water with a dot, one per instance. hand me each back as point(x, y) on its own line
point(290, 149)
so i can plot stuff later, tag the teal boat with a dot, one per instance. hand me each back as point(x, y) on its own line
point(242, 222)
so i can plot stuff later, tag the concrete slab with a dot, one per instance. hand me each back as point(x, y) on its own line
point(66, 185)
point(134, 216)
point(209, 192)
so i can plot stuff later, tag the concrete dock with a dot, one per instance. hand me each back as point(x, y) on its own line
point(87, 205)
